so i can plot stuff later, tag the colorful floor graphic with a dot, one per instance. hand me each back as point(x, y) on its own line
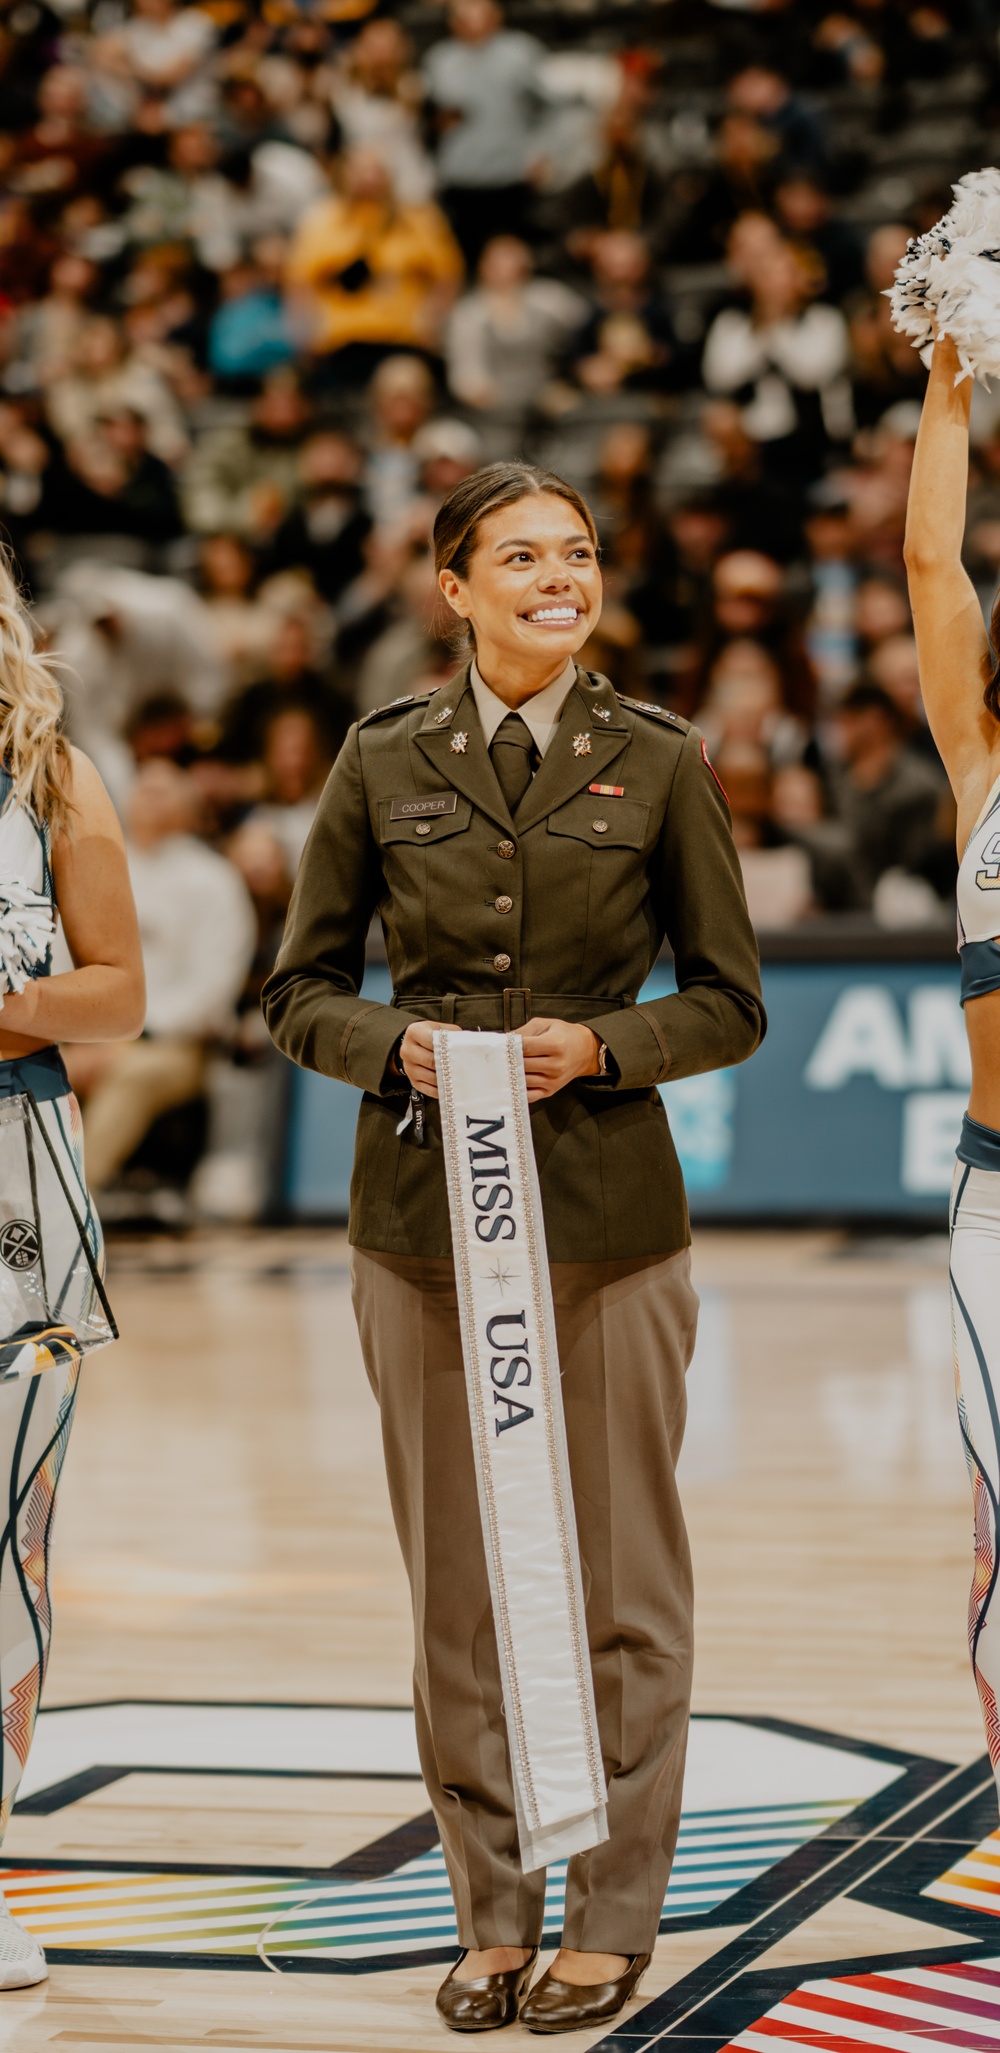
point(758, 1795)
point(956, 2003)
point(405, 1912)
point(782, 1827)
point(974, 1881)
point(893, 1873)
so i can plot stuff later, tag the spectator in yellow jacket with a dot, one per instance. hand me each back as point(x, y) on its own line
point(367, 273)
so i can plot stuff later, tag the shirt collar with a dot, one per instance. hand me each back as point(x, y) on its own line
point(540, 714)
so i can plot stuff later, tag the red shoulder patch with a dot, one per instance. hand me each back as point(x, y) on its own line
point(715, 774)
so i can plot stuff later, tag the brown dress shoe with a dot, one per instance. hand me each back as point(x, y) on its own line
point(483, 2005)
point(562, 2007)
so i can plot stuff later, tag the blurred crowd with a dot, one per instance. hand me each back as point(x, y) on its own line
point(275, 277)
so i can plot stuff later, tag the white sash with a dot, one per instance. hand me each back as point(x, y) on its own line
point(519, 1438)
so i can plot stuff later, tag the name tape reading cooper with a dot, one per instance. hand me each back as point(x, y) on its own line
point(419, 808)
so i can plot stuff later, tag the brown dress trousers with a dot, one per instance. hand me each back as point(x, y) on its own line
point(626, 1333)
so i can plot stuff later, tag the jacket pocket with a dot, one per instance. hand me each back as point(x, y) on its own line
point(422, 831)
point(602, 822)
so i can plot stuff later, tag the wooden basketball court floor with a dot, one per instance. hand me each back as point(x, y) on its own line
point(221, 1850)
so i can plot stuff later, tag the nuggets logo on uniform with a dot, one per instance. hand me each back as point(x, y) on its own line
point(19, 1247)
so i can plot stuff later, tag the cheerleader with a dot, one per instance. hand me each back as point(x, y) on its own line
point(945, 299)
point(60, 847)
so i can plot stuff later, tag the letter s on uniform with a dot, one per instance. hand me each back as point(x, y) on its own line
point(484, 1201)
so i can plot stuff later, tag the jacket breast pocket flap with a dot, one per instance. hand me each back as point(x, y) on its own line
point(422, 829)
point(602, 822)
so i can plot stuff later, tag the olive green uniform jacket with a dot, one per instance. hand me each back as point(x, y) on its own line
point(488, 920)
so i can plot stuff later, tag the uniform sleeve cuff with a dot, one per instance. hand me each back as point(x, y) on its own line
point(366, 1048)
point(636, 1046)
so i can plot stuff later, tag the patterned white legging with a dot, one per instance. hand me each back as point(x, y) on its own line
point(35, 1419)
point(975, 1308)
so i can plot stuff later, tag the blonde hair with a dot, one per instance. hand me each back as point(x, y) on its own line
point(32, 747)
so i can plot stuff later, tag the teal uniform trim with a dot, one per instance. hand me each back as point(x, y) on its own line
point(979, 1146)
point(43, 1074)
point(980, 962)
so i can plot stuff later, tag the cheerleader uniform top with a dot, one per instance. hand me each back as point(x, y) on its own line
point(979, 903)
point(27, 921)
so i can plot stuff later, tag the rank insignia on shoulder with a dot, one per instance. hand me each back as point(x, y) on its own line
point(602, 713)
point(395, 706)
point(607, 790)
point(646, 706)
point(663, 713)
point(445, 714)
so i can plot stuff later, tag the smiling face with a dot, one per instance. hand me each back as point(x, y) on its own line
point(532, 594)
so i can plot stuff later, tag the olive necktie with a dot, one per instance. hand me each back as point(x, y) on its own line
point(515, 759)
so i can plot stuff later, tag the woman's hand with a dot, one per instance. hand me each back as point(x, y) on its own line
point(416, 1054)
point(556, 1051)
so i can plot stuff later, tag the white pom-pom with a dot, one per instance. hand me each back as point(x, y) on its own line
point(951, 277)
point(27, 929)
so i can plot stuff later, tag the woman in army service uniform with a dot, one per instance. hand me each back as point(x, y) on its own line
point(529, 840)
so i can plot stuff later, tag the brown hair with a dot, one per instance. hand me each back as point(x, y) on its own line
point(456, 529)
point(991, 696)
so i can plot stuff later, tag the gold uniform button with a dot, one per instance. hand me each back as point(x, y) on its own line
point(506, 848)
point(503, 903)
point(423, 827)
point(600, 826)
point(501, 962)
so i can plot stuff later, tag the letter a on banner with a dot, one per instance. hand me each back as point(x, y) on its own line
point(519, 1438)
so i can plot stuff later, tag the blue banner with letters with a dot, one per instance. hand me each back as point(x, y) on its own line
point(852, 1106)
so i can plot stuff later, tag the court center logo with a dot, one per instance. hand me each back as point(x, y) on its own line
point(19, 1244)
point(756, 1795)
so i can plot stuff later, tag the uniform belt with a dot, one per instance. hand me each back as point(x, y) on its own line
point(43, 1073)
point(503, 1011)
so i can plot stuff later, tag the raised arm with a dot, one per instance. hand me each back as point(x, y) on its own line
point(952, 647)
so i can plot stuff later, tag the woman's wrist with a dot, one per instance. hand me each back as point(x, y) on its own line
point(20, 1009)
point(594, 1067)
